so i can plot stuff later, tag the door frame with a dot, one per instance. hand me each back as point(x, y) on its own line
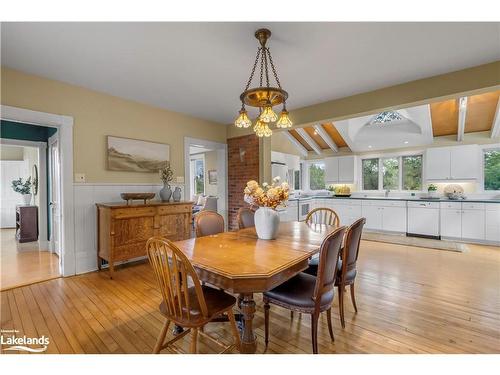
point(221, 175)
point(42, 182)
point(64, 125)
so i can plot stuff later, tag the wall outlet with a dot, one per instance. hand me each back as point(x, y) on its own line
point(79, 177)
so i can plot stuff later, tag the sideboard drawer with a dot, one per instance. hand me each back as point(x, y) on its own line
point(124, 213)
point(177, 209)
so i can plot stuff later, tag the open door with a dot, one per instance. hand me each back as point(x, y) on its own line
point(55, 194)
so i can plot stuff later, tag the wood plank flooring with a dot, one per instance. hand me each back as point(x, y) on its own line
point(24, 263)
point(410, 300)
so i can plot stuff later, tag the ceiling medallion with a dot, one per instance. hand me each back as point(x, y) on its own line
point(264, 97)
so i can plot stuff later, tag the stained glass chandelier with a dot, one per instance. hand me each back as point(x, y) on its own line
point(264, 97)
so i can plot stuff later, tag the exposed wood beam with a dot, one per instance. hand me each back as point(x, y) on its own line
point(495, 128)
point(303, 151)
point(307, 138)
point(462, 114)
point(326, 137)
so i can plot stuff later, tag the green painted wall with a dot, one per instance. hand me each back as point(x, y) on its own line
point(34, 133)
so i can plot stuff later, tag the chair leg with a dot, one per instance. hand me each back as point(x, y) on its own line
point(161, 337)
point(314, 332)
point(194, 340)
point(266, 322)
point(353, 299)
point(329, 319)
point(341, 305)
point(291, 314)
point(234, 329)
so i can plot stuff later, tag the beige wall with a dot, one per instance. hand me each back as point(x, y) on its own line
point(97, 115)
point(30, 155)
point(280, 143)
point(210, 164)
point(11, 152)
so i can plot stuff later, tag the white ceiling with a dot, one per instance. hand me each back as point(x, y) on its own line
point(201, 68)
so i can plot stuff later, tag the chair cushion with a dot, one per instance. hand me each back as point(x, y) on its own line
point(350, 275)
point(217, 302)
point(298, 292)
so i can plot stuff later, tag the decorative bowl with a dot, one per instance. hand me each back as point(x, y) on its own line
point(136, 196)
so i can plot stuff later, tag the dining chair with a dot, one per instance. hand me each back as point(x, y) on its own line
point(308, 294)
point(320, 215)
point(346, 274)
point(207, 223)
point(246, 218)
point(185, 301)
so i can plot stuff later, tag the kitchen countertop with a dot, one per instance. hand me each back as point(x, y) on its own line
point(474, 200)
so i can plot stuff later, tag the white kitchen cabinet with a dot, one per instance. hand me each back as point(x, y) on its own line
point(492, 222)
point(463, 220)
point(340, 169)
point(373, 215)
point(473, 224)
point(394, 219)
point(451, 222)
point(452, 163)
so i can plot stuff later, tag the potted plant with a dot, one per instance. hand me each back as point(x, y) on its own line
point(432, 190)
point(267, 198)
point(23, 188)
point(166, 175)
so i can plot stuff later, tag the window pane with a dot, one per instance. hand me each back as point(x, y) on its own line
point(390, 173)
point(370, 174)
point(317, 176)
point(492, 170)
point(297, 180)
point(199, 181)
point(412, 172)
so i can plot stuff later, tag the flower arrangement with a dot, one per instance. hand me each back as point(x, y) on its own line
point(166, 175)
point(22, 187)
point(271, 196)
point(432, 187)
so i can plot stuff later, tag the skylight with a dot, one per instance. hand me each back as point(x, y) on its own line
point(385, 117)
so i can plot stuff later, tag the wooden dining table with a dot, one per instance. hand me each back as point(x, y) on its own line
point(241, 263)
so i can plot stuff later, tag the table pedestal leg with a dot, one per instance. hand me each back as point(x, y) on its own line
point(248, 339)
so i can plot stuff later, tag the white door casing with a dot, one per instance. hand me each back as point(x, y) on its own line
point(55, 194)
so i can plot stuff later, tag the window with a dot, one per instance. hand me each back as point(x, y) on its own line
point(412, 172)
point(198, 175)
point(370, 174)
point(394, 173)
point(492, 170)
point(297, 178)
point(390, 173)
point(317, 176)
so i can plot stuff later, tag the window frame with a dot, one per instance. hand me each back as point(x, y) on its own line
point(192, 161)
point(309, 164)
point(484, 149)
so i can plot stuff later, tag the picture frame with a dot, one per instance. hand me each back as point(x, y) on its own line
point(212, 177)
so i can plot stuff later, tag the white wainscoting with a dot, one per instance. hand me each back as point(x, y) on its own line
point(86, 195)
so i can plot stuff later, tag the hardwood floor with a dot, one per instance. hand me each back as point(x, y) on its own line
point(24, 263)
point(410, 300)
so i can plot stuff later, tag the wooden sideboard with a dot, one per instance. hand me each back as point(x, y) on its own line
point(123, 230)
point(26, 223)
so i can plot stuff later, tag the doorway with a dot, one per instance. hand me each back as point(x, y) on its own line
point(206, 174)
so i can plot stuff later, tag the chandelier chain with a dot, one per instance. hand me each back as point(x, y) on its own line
point(253, 69)
point(266, 66)
point(273, 68)
point(261, 68)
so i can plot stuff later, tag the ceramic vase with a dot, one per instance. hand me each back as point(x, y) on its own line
point(267, 223)
point(176, 195)
point(27, 199)
point(165, 193)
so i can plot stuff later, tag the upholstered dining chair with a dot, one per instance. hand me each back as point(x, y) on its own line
point(308, 294)
point(185, 301)
point(246, 218)
point(207, 223)
point(320, 215)
point(346, 274)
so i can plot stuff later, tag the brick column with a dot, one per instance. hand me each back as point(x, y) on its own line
point(242, 165)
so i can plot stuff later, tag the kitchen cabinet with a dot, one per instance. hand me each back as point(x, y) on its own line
point(451, 219)
point(463, 220)
point(452, 163)
point(394, 219)
point(423, 218)
point(473, 224)
point(492, 222)
point(385, 215)
point(373, 215)
point(340, 169)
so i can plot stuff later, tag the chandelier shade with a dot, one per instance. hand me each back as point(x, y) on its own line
point(265, 96)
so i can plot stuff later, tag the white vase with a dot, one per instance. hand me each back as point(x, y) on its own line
point(27, 199)
point(267, 223)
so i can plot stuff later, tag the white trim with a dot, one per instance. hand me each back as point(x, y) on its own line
point(462, 114)
point(23, 143)
point(308, 139)
point(495, 127)
point(326, 137)
point(480, 187)
point(303, 151)
point(64, 124)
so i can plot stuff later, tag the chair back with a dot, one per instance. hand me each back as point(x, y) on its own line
point(174, 273)
point(351, 246)
point(328, 259)
point(246, 218)
point(210, 204)
point(323, 215)
point(207, 223)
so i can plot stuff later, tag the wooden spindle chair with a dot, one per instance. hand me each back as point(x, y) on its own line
point(185, 301)
point(323, 215)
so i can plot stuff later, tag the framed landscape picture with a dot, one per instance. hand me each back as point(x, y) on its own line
point(212, 177)
point(132, 155)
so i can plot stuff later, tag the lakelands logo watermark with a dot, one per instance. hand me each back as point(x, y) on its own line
point(14, 342)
